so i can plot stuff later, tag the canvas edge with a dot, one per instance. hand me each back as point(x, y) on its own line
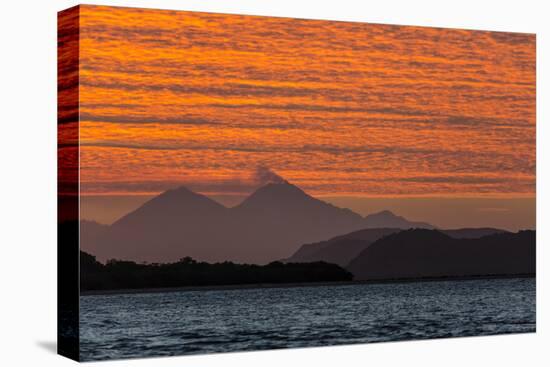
point(68, 214)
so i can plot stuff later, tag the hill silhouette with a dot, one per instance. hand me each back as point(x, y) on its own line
point(342, 249)
point(421, 253)
point(472, 232)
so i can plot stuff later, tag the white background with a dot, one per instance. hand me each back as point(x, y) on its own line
point(28, 182)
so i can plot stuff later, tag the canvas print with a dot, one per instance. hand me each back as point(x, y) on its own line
point(237, 183)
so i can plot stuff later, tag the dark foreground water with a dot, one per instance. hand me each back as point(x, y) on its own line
point(191, 322)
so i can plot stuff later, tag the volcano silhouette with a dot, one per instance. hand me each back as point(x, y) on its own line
point(270, 224)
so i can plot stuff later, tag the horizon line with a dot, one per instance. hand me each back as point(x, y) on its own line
point(327, 195)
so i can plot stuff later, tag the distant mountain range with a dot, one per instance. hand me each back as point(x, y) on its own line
point(269, 225)
point(342, 249)
point(279, 218)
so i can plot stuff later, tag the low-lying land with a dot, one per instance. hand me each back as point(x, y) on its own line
point(188, 272)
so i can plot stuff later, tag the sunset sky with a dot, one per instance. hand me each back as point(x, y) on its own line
point(340, 109)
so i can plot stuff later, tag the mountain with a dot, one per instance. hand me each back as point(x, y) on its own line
point(172, 206)
point(386, 219)
point(420, 253)
point(342, 249)
point(175, 224)
point(280, 217)
point(268, 225)
point(91, 233)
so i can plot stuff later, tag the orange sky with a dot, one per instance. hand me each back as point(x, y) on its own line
point(179, 98)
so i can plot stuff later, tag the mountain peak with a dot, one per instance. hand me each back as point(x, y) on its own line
point(388, 219)
point(172, 204)
point(281, 188)
point(384, 213)
point(181, 191)
point(183, 196)
point(275, 194)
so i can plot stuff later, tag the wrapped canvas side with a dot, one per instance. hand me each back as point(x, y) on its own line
point(68, 184)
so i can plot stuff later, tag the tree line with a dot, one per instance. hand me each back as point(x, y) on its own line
point(119, 274)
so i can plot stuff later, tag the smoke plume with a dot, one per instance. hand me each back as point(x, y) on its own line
point(263, 176)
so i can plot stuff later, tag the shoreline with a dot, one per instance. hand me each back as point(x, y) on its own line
point(107, 292)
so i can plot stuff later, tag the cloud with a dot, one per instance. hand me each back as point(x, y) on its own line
point(399, 110)
point(123, 119)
